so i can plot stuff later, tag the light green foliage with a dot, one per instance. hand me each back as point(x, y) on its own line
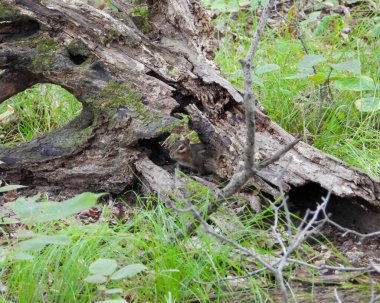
point(6, 188)
point(36, 111)
point(103, 267)
point(104, 270)
point(330, 26)
point(346, 126)
point(102, 262)
point(368, 104)
point(185, 133)
point(29, 211)
point(128, 271)
point(140, 16)
point(362, 83)
point(353, 66)
point(231, 5)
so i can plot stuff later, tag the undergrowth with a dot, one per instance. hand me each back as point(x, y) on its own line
point(337, 127)
point(175, 267)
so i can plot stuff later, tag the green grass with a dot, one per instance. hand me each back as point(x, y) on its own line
point(148, 236)
point(338, 127)
point(37, 110)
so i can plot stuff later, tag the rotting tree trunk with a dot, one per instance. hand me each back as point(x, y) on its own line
point(132, 74)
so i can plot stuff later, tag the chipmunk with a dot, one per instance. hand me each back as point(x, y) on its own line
point(198, 157)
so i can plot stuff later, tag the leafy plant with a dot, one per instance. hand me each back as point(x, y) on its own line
point(347, 127)
point(353, 81)
point(104, 271)
point(29, 211)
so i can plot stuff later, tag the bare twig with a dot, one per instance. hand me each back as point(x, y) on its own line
point(241, 177)
point(337, 296)
point(350, 231)
point(249, 275)
point(276, 155)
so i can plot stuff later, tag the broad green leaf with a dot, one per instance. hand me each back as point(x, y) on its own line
point(3, 254)
point(314, 15)
point(352, 66)
point(309, 61)
point(40, 242)
point(128, 271)
point(5, 220)
point(96, 279)
point(103, 267)
point(375, 32)
point(113, 301)
point(368, 104)
point(337, 77)
point(256, 80)
point(325, 23)
point(318, 78)
point(322, 27)
point(25, 234)
point(22, 256)
point(298, 76)
point(355, 83)
point(30, 211)
point(267, 68)
point(222, 5)
point(114, 291)
point(10, 188)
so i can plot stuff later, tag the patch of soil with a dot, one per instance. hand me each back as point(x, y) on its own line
point(358, 252)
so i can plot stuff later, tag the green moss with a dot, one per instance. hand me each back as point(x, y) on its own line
point(140, 16)
point(147, 123)
point(6, 11)
point(116, 94)
point(78, 138)
point(170, 127)
point(115, 35)
point(45, 47)
point(43, 44)
point(140, 11)
point(42, 62)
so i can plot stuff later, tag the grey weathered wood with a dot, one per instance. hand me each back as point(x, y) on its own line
point(131, 80)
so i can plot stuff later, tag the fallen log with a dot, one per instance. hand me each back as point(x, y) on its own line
point(133, 75)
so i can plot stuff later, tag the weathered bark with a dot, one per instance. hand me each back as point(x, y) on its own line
point(132, 75)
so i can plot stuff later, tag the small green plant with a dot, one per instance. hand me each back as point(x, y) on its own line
point(30, 211)
point(103, 272)
point(64, 250)
point(353, 81)
point(346, 126)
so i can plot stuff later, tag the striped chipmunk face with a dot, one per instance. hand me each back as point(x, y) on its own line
point(182, 152)
point(184, 155)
